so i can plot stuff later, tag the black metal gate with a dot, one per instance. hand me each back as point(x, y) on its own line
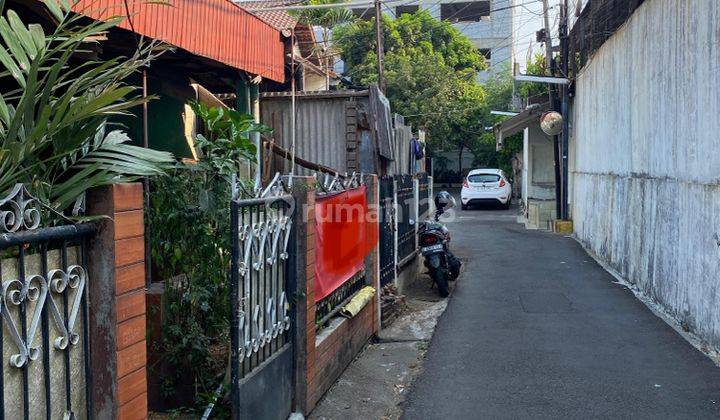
point(262, 283)
point(44, 337)
point(387, 230)
point(423, 195)
point(405, 218)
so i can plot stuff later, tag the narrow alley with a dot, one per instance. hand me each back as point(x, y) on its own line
point(537, 329)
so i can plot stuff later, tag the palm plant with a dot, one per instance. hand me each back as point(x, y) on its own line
point(326, 19)
point(54, 109)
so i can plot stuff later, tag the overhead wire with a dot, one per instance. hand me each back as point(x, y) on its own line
point(369, 34)
point(517, 27)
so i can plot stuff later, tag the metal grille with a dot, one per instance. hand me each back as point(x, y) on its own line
point(387, 231)
point(330, 305)
point(599, 20)
point(405, 218)
point(261, 230)
point(423, 195)
point(44, 340)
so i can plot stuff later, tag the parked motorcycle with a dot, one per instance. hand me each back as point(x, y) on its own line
point(434, 239)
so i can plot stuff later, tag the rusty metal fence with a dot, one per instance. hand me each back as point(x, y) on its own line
point(330, 305)
point(406, 218)
point(387, 230)
point(423, 195)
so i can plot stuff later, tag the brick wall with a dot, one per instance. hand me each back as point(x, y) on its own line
point(326, 354)
point(117, 304)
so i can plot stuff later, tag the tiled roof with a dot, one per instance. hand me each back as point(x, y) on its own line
point(279, 19)
point(284, 22)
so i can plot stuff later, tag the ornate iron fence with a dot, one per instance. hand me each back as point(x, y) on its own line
point(44, 340)
point(261, 231)
point(406, 243)
point(262, 283)
point(387, 230)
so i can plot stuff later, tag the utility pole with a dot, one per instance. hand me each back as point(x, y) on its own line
point(379, 42)
point(565, 107)
point(551, 98)
point(548, 39)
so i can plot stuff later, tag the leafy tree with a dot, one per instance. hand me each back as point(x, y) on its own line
point(191, 251)
point(538, 67)
point(410, 34)
point(430, 71)
point(499, 89)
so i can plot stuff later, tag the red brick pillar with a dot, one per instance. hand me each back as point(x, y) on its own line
point(310, 379)
point(304, 250)
point(117, 303)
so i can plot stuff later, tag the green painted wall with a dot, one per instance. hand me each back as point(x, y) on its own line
point(243, 97)
point(130, 124)
point(165, 114)
point(165, 122)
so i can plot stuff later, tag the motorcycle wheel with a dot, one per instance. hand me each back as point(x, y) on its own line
point(454, 264)
point(441, 279)
point(454, 273)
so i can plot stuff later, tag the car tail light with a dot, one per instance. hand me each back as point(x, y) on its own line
point(428, 240)
point(465, 184)
point(502, 183)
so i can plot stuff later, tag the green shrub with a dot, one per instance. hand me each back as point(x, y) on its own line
point(190, 241)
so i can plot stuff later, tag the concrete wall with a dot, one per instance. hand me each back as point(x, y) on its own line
point(645, 157)
point(539, 169)
point(538, 178)
point(314, 81)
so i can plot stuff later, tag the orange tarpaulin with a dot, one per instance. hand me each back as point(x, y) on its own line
point(346, 232)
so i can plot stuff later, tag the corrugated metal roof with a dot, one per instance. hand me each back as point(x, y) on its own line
point(518, 123)
point(216, 29)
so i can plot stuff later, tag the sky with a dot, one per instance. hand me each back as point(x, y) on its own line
point(528, 20)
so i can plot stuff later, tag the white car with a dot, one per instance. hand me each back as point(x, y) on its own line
point(486, 186)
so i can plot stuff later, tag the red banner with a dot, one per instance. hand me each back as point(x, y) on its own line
point(346, 232)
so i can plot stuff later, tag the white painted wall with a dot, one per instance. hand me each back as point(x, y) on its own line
point(646, 157)
point(538, 171)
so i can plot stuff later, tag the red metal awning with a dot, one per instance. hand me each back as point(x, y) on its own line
point(215, 29)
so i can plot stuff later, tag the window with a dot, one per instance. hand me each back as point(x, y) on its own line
point(401, 10)
point(485, 52)
point(484, 178)
point(364, 13)
point(472, 11)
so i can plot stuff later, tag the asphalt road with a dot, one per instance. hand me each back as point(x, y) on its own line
point(537, 329)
